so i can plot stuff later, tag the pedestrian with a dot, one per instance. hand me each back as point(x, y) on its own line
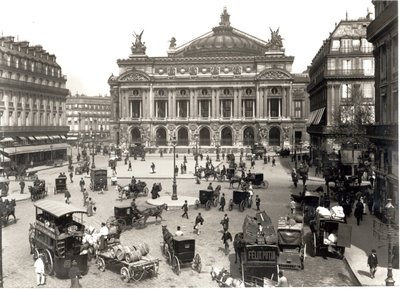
point(67, 195)
point(90, 207)
point(82, 184)
point(223, 156)
point(22, 185)
point(372, 262)
point(222, 203)
point(253, 163)
point(201, 157)
point(185, 209)
point(176, 170)
point(226, 236)
point(292, 206)
point(295, 178)
point(181, 169)
point(184, 168)
point(210, 187)
point(197, 223)
point(39, 270)
point(184, 159)
point(87, 170)
point(225, 223)
point(74, 275)
point(71, 174)
point(178, 231)
point(129, 165)
point(85, 197)
point(273, 161)
point(282, 280)
point(258, 202)
point(103, 236)
point(304, 178)
point(358, 212)
point(78, 157)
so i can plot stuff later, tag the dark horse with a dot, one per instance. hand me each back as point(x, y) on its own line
point(235, 179)
point(153, 212)
point(7, 209)
point(238, 245)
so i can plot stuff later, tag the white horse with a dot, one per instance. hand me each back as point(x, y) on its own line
point(224, 278)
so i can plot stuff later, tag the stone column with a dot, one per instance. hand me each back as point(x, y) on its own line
point(235, 103)
point(240, 112)
point(213, 106)
point(257, 102)
point(284, 101)
point(151, 102)
point(196, 109)
point(173, 104)
point(217, 104)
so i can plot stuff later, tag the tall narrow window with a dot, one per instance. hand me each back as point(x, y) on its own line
point(204, 107)
point(226, 108)
point(135, 108)
point(248, 107)
point(274, 105)
point(298, 109)
point(182, 108)
point(161, 108)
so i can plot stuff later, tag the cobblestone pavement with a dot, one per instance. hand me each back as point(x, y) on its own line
point(18, 264)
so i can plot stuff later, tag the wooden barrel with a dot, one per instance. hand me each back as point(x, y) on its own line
point(133, 256)
point(113, 230)
point(120, 253)
point(113, 251)
point(143, 248)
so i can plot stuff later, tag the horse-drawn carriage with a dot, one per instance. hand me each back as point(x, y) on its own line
point(125, 216)
point(57, 233)
point(60, 185)
point(291, 244)
point(98, 179)
point(82, 167)
point(242, 199)
point(330, 233)
point(134, 190)
point(180, 251)
point(7, 209)
point(38, 190)
point(256, 179)
point(207, 198)
point(308, 202)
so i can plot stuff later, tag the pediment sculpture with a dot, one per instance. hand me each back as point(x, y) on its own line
point(138, 47)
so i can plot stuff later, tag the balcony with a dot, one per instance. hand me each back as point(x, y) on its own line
point(34, 129)
point(384, 132)
point(336, 73)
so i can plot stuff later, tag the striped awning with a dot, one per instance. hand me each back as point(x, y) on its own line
point(22, 138)
point(318, 117)
point(31, 138)
point(41, 137)
point(7, 139)
point(63, 137)
point(311, 117)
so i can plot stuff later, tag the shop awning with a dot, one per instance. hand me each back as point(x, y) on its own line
point(63, 137)
point(311, 117)
point(22, 138)
point(56, 136)
point(72, 138)
point(7, 139)
point(35, 148)
point(31, 138)
point(318, 117)
point(41, 137)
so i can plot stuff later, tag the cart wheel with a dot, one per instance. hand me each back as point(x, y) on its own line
point(176, 267)
point(167, 254)
point(197, 263)
point(48, 263)
point(121, 224)
point(101, 264)
point(125, 275)
point(146, 191)
point(208, 205)
point(215, 202)
point(314, 248)
point(242, 205)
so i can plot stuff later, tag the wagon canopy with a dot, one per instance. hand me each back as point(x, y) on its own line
point(58, 209)
point(251, 229)
point(290, 235)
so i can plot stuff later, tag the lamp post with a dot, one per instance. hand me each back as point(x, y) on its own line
point(196, 138)
point(389, 210)
point(216, 142)
point(92, 136)
point(174, 193)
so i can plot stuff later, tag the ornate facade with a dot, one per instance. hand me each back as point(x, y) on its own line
point(32, 104)
point(225, 88)
point(88, 115)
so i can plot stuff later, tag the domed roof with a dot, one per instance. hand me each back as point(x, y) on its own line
point(224, 40)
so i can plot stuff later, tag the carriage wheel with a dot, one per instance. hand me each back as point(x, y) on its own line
point(242, 205)
point(48, 263)
point(167, 255)
point(314, 248)
point(197, 204)
point(304, 256)
point(196, 265)
point(146, 191)
point(125, 275)
point(121, 224)
point(101, 264)
point(176, 267)
point(215, 202)
point(208, 205)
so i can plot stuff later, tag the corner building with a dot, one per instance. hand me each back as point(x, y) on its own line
point(225, 88)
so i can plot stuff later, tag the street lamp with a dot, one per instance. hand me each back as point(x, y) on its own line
point(174, 193)
point(196, 138)
point(92, 136)
point(216, 142)
point(389, 210)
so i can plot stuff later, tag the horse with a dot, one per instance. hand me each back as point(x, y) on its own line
point(7, 209)
point(235, 179)
point(224, 278)
point(167, 237)
point(154, 212)
point(238, 245)
point(123, 190)
point(216, 193)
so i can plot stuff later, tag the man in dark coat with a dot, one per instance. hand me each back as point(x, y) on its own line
point(226, 236)
point(22, 185)
point(225, 223)
point(372, 262)
point(222, 203)
point(185, 209)
point(258, 201)
point(197, 223)
point(358, 212)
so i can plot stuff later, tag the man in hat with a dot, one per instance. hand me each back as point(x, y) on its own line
point(39, 270)
point(103, 236)
point(372, 262)
point(74, 275)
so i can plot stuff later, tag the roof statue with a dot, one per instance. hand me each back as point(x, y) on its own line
point(276, 41)
point(172, 43)
point(225, 18)
point(138, 46)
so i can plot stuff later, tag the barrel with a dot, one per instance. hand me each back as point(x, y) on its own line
point(133, 256)
point(113, 251)
point(120, 252)
point(143, 248)
point(113, 230)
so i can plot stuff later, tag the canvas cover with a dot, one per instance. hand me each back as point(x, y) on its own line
point(251, 228)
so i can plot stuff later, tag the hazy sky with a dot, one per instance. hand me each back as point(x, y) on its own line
point(89, 36)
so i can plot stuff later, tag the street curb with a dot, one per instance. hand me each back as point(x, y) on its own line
point(351, 270)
